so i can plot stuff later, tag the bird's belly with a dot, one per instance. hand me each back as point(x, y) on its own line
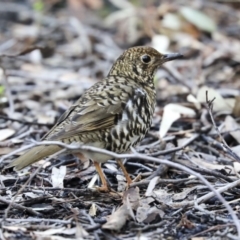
point(119, 140)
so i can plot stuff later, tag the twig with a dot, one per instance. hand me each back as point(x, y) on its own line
point(220, 190)
point(19, 206)
point(225, 146)
point(37, 220)
point(211, 229)
point(164, 152)
point(77, 146)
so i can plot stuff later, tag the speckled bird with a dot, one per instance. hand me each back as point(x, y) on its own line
point(114, 114)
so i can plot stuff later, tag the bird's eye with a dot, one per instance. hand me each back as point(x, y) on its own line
point(146, 58)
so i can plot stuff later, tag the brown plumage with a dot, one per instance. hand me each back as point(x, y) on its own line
point(114, 114)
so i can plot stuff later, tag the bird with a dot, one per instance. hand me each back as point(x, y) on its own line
point(114, 114)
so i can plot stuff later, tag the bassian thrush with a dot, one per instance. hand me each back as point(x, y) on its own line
point(113, 114)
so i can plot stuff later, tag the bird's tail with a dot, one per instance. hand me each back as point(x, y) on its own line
point(33, 155)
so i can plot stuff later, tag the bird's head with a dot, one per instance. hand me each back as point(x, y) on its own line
point(140, 63)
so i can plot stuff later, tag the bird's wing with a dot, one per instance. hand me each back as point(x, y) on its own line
point(97, 109)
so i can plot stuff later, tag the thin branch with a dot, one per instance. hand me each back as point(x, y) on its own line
point(167, 151)
point(220, 190)
point(225, 146)
point(19, 206)
point(37, 220)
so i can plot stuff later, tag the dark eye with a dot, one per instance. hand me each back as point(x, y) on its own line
point(146, 58)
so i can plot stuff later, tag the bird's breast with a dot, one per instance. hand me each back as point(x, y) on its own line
point(133, 124)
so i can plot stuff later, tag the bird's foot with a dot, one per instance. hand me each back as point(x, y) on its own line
point(104, 188)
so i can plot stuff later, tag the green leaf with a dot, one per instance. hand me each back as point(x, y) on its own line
point(1, 90)
point(199, 19)
point(38, 6)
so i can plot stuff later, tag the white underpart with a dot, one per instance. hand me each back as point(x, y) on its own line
point(124, 115)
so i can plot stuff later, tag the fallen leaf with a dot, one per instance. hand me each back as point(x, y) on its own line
point(160, 43)
point(231, 125)
point(163, 196)
point(93, 210)
point(219, 104)
point(236, 149)
point(81, 233)
point(173, 112)
point(118, 219)
point(236, 108)
point(153, 214)
point(199, 19)
point(236, 167)
point(172, 21)
point(6, 133)
point(151, 186)
point(193, 100)
point(57, 176)
point(182, 195)
point(142, 212)
point(133, 195)
point(145, 213)
point(206, 161)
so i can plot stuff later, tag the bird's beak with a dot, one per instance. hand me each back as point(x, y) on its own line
point(171, 56)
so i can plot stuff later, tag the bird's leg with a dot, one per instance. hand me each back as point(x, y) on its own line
point(104, 187)
point(129, 181)
point(81, 157)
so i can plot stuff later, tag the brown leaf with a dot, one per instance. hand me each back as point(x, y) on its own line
point(133, 195)
point(236, 109)
point(118, 219)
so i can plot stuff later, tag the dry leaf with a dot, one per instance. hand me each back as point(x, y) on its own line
point(147, 214)
point(219, 104)
point(193, 100)
point(172, 21)
point(153, 214)
point(236, 149)
point(81, 233)
point(236, 108)
point(232, 126)
point(6, 133)
point(57, 176)
point(182, 195)
point(236, 167)
point(160, 43)
point(163, 196)
point(206, 161)
point(93, 210)
point(151, 186)
point(142, 212)
point(118, 219)
point(171, 113)
point(199, 19)
point(133, 195)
